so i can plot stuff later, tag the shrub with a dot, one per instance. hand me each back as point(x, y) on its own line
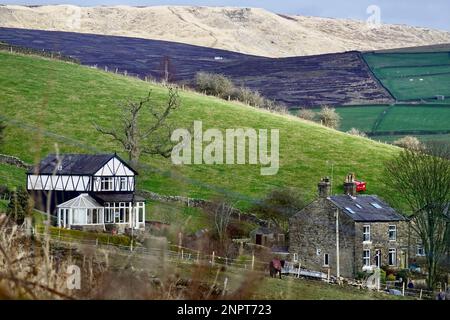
point(20, 206)
point(391, 277)
point(307, 114)
point(409, 142)
point(329, 117)
point(214, 84)
point(356, 132)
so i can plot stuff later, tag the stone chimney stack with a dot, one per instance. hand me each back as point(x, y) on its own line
point(350, 185)
point(324, 187)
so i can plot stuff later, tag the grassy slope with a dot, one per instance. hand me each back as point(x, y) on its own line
point(63, 99)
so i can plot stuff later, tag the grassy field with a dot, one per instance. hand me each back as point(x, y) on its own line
point(420, 120)
point(48, 102)
point(412, 76)
point(11, 176)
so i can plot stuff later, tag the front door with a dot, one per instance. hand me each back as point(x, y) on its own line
point(258, 239)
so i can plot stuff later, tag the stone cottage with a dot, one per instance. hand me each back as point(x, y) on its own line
point(348, 233)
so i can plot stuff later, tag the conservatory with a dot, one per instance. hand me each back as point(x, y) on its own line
point(80, 211)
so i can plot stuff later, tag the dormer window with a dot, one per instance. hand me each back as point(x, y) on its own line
point(359, 206)
point(59, 168)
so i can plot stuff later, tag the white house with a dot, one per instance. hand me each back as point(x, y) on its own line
point(87, 191)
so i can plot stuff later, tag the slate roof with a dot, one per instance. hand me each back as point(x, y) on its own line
point(103, 197)
point(71, 164)
point(366, 208)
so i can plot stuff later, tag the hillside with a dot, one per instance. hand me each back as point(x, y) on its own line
point(47, 102)
point(223, 27)
point(336, 79)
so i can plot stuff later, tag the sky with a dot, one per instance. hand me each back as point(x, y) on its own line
point(424, 13)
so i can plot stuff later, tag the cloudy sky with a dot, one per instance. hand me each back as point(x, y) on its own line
point(425, 13)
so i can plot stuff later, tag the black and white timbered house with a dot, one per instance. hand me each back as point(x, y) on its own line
point(84, 190)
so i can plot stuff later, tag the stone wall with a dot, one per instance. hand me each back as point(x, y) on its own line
point(379, 240)
point(312, 234)
point(14, 161)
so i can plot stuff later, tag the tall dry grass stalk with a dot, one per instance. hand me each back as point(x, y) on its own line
point(22, 267)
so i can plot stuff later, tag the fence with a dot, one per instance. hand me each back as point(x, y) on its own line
point(42, 53)
point(174, 253)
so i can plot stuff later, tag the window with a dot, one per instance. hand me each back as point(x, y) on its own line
point(366, 258)
point(366, 233)
point(123, 183)
point(326, 260)
point(378, 258)
point(318, 251)
point(109, 213)
point(295, 258)
point(420, 251)
point(358, 205)
point(107, 184)
point(392, 233)
point(376, 205)
point(392, 259)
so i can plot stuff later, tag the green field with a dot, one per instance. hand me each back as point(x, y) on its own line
point(48, 102)
point(412, 76)
point(420, 120)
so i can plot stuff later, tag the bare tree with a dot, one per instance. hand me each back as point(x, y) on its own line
point(422, 179)
point(222, 217)
point(279, 206)
point(329, 117)
point(151, 135)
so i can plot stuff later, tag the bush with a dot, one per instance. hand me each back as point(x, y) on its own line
point(408, 142)
point(307, 114)
point(220, 86)
point(214, 84)
point(329, 117)
point(404, 274)
point(356, 132)
point(20, 206)
point(391, 277)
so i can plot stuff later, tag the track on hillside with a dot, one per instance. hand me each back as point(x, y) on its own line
point(331, 79)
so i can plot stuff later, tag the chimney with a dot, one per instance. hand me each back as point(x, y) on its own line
point(350, 185)
point(324, 187)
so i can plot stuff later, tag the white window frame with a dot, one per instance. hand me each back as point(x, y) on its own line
point(326, 260)
point(420, 248)
point(123, 183)
point(392, 255)
point(366, 233)
point(295, 257)
point(394, 232)
point(107, 181)
point(366, 258)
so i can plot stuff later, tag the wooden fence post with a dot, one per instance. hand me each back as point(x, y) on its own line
point(198, 257)
point(299, 267)
point(253, 261)
point(420, 295)
point(212, 258)
point(225, 283)
point(403, 289)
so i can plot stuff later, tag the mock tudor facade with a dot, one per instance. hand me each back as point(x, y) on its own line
point(87, 191)
point(351, 232)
